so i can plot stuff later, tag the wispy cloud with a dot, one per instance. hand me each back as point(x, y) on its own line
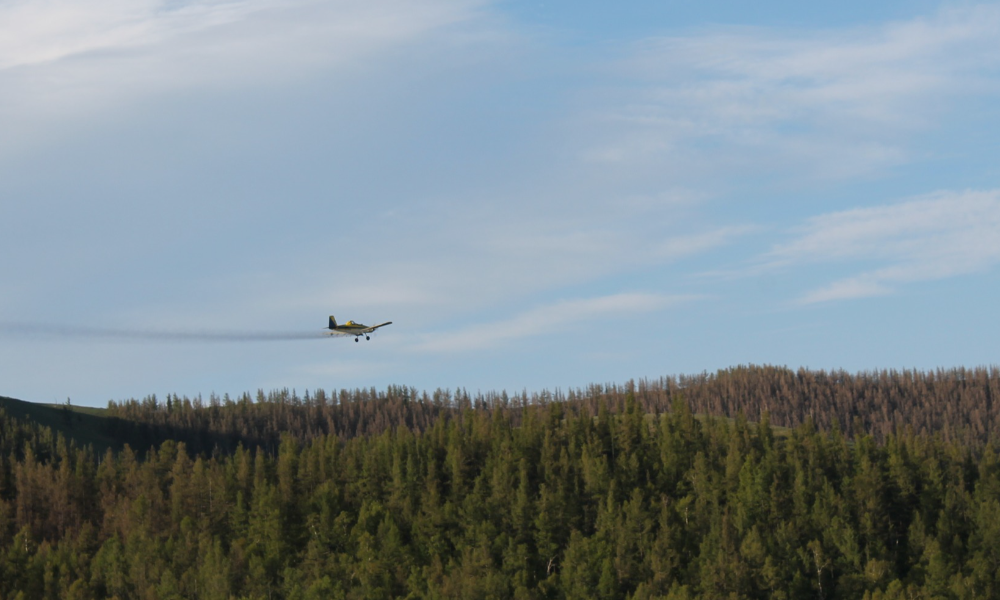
point(71, 60)
point(552, 318)
point(485, 263)
point(687, 245)
point(41, 32)
point(934, 237)
point(833, 104)
point(846, 289)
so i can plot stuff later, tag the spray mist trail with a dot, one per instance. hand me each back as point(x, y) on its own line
point(49, 330)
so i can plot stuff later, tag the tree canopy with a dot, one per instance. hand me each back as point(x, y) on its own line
point(546, 497)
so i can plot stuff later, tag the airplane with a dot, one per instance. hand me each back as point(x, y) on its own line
point(352, 328)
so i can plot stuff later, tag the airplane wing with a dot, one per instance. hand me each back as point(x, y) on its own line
point(374, 327)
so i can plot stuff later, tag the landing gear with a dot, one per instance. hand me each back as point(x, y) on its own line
point(355, 338)
point(367, 338)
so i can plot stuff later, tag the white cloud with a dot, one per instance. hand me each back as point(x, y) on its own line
point(494, 264)
point(687, 245)
point(934, 237)
point(39, 32)
point(829, 104)
point(64, 61)
point(846, 289)
point(34, 32)
point(603, 312)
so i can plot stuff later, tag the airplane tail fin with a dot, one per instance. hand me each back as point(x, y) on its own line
point(333, 322)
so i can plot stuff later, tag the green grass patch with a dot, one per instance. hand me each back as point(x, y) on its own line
point(86, 426)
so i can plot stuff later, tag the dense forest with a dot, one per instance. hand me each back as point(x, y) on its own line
point(604, 493)
point(956, 403)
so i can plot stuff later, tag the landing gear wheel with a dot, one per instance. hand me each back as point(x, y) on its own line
point(367, 338)
point(355, 338)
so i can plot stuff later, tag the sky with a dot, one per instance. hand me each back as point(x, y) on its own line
point(538, 195)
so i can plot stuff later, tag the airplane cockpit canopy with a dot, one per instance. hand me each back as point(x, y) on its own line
point(350, 323)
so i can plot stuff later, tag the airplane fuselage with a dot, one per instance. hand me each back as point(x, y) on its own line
point(352, 328)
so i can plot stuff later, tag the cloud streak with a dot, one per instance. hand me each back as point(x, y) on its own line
point(602, 311)
point(43, 32)
point(71, 60)
point(831, 104)
point(943, 235)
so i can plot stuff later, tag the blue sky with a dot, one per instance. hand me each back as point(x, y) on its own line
point(537, 194)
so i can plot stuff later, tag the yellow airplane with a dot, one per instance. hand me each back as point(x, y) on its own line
point(352, 328)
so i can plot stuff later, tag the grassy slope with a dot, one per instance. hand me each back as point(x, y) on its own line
point(87, 410)
point(84, 425)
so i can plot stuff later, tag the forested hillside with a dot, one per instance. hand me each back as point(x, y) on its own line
point(958, 404)
point(577, 495)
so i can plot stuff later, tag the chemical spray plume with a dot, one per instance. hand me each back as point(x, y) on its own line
point(49, 330)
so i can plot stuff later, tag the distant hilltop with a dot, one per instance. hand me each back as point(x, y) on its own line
point(955, 403)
